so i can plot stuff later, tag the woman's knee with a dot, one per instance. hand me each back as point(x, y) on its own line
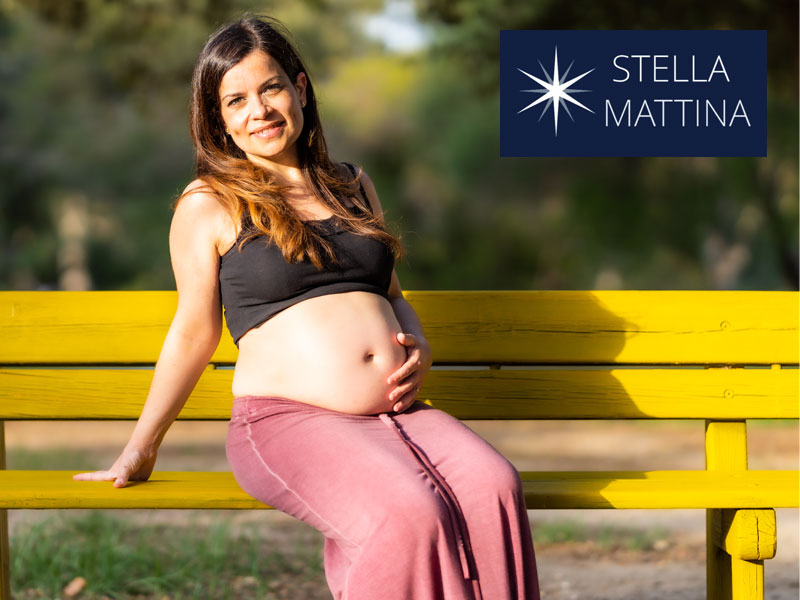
point(498, 477)
point(470, 457)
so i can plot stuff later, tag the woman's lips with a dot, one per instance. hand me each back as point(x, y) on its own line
point(270, 131)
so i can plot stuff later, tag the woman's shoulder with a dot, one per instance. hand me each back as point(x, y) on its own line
point(198, 192)
point(201, 209)
point(199, 198)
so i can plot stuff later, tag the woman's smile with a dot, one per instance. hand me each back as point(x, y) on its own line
point(269, 131)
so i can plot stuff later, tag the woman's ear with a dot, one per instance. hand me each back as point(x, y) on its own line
point(300, 85)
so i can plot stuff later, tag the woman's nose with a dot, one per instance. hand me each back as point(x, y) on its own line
point(259, 108)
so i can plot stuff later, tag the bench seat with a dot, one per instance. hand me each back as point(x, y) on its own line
point(543, 490)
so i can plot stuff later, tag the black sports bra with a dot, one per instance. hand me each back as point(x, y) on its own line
point(258, 283)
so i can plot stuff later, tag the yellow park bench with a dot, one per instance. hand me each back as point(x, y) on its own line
point(722, 357)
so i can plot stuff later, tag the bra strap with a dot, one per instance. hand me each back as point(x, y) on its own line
point(360, 186)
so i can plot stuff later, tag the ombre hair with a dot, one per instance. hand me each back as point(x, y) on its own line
point(245, 188)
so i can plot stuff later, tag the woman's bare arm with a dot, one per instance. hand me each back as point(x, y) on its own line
point(191, 340)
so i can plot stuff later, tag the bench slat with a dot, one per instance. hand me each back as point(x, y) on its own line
point(164, 489)
point(467, 394)
point(624, 489)
point(662, 489)
point(572, 327)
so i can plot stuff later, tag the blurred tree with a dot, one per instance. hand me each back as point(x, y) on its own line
point(93, 114)
point(93, 121)
point(670, 223)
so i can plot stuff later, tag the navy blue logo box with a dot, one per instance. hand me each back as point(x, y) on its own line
point(633, 93)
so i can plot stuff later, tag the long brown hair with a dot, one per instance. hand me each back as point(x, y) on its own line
point(244, 187)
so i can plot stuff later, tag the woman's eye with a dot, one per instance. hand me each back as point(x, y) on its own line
point(272, 88)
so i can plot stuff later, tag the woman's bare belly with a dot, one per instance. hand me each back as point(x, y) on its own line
point(335, 351)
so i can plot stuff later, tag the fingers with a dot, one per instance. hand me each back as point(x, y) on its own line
point(418, 357)
point(132, 465)
point(404, 396)
point(407, 401)
point(404, 388)
point(412, 364)
point(407, 339)
point(119, 480)
point(408, 383)
point(94, 476)
point(119, 477)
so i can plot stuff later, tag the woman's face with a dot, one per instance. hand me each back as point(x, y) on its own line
point(262, 110)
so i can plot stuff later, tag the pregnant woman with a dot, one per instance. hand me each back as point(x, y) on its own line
point(324, 425)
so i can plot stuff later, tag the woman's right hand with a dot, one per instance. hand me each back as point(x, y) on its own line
point(134, 464)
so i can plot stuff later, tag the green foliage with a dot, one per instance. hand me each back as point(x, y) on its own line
point(49, 459)
point(93, 115)
point(121, 559)
point(650, 223)
point(607, 537)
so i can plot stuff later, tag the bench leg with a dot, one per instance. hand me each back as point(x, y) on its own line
point(729, 578)
point(5, 571)
point(718, 562)
point(738, 541)
point(747, 579)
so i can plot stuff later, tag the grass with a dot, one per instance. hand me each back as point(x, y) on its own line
point(605, 536)
point(120, 559)
point(780, 423)
point(50, 459)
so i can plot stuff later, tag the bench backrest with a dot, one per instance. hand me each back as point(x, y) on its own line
point(498, 355)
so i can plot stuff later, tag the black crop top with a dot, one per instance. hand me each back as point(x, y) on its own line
point(258, 283)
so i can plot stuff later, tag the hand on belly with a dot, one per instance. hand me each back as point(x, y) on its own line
point(407, 380)
point(391, 380)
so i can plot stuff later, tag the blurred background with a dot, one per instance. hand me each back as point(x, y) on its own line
point(94, 146)
point(94, 149)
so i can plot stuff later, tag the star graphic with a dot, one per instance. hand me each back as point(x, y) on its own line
point(555, 90)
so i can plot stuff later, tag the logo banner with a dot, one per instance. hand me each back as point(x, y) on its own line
point(633, 93)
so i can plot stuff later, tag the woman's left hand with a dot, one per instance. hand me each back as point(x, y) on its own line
point(410, 375)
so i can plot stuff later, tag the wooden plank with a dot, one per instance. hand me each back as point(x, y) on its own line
point(5, 558)
point(661, 489)
point(632, 327)
point(556, 490)
point(467, 394)
point(164, 489)
point(614, 394)
point(746, 534)
point(84, 327)
point(541, 327)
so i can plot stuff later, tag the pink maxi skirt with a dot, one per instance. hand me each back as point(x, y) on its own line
point(413, 506)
